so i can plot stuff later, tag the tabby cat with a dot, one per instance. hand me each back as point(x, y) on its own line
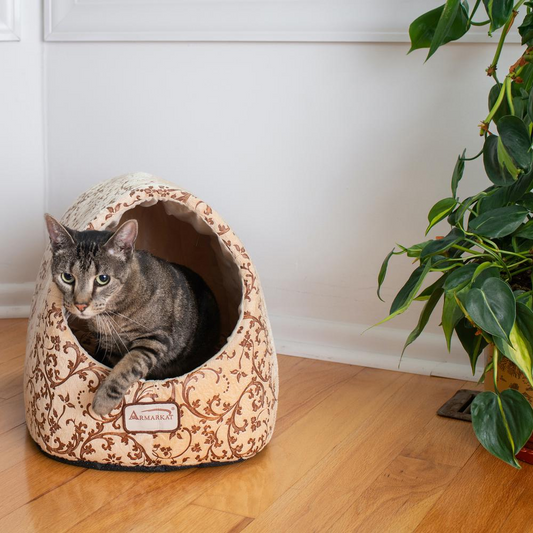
point(150, 318)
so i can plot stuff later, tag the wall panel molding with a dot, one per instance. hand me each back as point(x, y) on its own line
point(238, 20)
point(9, 20)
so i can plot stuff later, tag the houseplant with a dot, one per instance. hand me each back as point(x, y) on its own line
point(485, 261)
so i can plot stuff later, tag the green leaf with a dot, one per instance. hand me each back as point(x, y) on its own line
point(408, 291)
point(422, 30)
point(527, 77)
point(499, 222)
point(444, 26)
point(428, 291)
point(496, 173)
point(483, 272)
point(504, 106)
point(458, 173)
point(521, 186)
point(506, 161)
point(530, 101)
point(415, 250)
point(516, 140)
point(498, 11)
point(425, 314)
point(441, 263)
point(460, 277)
point(526, 29)
point(451, 314)
point(522, 341)
point(441, 245)
point(502, 424)
point(497, 198)
point(526, 231)
point(527, 201)
point(520, 104)
point(520, 351)
point(440, 211)
point(383, 272)
point(473, 343)
point(492, 307)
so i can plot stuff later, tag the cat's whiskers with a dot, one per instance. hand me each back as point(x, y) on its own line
point(110, 339)
point(111, 322)
point(126, 317)
point(102, 333)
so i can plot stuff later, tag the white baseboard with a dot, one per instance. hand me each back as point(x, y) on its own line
point(378, 347)
point(15, 299)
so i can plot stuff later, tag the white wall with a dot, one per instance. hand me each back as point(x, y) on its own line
point(22, 162)
point(320, 156)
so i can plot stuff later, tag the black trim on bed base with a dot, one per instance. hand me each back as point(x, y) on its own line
point(158, 468)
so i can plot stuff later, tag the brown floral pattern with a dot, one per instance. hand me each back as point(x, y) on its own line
point(227, 406)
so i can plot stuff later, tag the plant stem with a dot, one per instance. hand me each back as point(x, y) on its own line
point(495, 108)
point(472, 14)
point(494, 248)
point(509, 94)
point(494, 65)
point(484, 23)
point(472, 158)
point(495, 256)
point(498, 250)
point(522, 270)
point(464, 249)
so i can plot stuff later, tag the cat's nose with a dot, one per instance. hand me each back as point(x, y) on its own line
point(82, 307)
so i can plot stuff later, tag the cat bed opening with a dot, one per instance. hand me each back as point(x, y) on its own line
point(223, 411)
point(173, 232)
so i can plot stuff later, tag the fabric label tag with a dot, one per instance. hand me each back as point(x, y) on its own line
point(151, 417)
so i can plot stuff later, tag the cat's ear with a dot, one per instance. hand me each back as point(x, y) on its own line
point(122, 242)
point(59, 236)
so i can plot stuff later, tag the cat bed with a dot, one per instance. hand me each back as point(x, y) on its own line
point(223, 411)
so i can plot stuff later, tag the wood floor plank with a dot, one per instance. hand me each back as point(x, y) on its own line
point(11, 374)
point(29, 480)
point(13, 340)
point(480, 498)
point(444, 441)
point(259, 482)
point(16, 446)
point(203, 520)
point(336, 481)
point(61, 507)
point(520, 520)
point(309, 383)
point(150, 501)
point(286, 366)
point(11, 413)
point(398, 499)
point(9, 323)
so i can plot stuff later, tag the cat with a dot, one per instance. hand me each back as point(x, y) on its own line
point(150, 318)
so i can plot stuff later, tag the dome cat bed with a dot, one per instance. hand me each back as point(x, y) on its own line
point(223, 411)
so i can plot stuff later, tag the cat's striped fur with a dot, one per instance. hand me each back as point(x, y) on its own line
point(150, 319)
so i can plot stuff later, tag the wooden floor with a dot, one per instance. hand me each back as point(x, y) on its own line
point(355, 449)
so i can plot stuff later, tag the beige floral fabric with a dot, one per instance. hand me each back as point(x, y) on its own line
point(226, 408)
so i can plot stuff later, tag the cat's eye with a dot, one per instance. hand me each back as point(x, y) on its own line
point(67, 278)
point(102, 279)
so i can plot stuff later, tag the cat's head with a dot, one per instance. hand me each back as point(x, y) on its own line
point(90, 267)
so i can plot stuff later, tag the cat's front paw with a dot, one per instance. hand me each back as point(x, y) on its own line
point(105, 401)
